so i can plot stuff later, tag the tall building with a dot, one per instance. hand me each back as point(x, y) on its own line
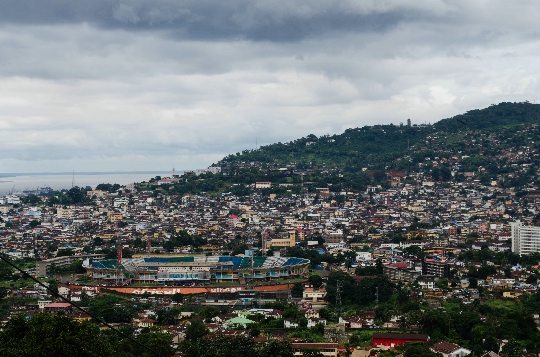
point(525, 240)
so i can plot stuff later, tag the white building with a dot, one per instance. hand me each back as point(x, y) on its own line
point(525, 240)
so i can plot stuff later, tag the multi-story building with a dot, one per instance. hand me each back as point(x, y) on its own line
point(42, 266)
point(525, 240)
point(435, 268)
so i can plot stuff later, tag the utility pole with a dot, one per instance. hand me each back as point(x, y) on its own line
point(376, 296)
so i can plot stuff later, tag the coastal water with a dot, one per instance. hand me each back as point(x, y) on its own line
point(17, 183)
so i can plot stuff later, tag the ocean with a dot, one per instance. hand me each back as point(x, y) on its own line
point(17, 183)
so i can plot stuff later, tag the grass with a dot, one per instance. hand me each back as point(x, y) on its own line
point(498, 304)
point(20, 283)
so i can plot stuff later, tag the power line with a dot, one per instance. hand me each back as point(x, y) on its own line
point(78, 307)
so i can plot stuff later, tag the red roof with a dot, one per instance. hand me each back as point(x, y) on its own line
point(57, 305)
point(232, 216)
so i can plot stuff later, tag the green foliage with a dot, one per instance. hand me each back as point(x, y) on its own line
point(111, 308)
point(196, 330)
point(108, 187)
point(34, 223)
point(182, 239)
point(6, 271)
point(48, 335)
point(512, 349)
point(297, 290)
point(74, 195)
point(209, 312)
point(65, 252)
point(315, 280)
point(220, 346)
point(418, 350)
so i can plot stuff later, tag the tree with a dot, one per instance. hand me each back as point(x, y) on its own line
point(51, 335)
point(315, 280)
point(297, 290)
point(178, 297)
point(158, 342)
point(34, 223)
point(418, 350)
point(209, 312)
point(6, 271)
point(65, 252)
point(277, 349)
point(53, 285)
point(111, 309)
point(196, 330)
point(512, 349)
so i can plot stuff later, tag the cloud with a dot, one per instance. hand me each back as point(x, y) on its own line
point(151, 85)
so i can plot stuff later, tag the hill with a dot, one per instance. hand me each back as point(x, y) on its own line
point(377, 147)
point(499, 143)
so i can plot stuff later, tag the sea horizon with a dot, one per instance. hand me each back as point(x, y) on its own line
point(16, 183)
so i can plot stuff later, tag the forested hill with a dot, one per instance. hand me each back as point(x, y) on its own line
point(378, 146)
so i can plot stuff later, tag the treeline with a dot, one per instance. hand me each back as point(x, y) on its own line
point(380, 145)
point(48, 335)
point(478, 325)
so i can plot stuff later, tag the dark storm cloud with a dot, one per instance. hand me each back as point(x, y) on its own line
point(100, 85)
point(212, 20)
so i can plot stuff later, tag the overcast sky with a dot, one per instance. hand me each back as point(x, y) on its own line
point(107, 85)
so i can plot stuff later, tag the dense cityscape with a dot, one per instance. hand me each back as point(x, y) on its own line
point(440, 258)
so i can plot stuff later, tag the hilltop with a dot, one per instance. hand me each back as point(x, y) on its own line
point(378, 146)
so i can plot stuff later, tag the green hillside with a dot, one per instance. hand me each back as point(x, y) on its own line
point(376, 147)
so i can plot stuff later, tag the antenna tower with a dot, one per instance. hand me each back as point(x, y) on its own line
point(73, 179)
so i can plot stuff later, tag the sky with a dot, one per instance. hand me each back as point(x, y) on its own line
point(107, 85)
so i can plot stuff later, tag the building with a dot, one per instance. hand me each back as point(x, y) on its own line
point(326, 349)
point(396, 339)
point(42, 266)
point(435, 268)
point(181, 269)
point(525, 240)
point(314, 295)
point(263, 184)
point(448, 349)
point(401, 272)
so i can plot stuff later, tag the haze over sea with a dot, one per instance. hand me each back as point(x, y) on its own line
point(18, 182)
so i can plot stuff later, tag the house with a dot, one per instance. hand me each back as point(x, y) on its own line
point(314, 295)
point(448, 349)
point(147, 323)
point(326, 349)
point(289, 323)
point(426, 282)
point(57, 306)
point(314, 322)
point(396, 339)
point(354, 322)
point(311, 313)
point(238, 321)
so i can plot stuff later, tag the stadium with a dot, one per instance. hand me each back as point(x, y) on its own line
point(200, 270)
